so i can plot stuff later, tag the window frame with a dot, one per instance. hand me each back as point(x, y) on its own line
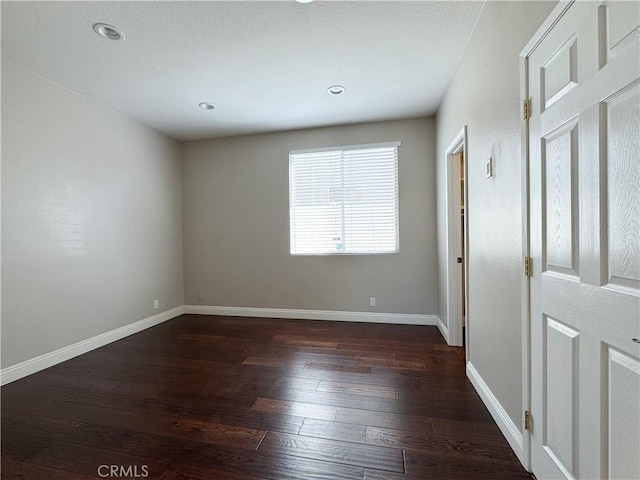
point(343, 148)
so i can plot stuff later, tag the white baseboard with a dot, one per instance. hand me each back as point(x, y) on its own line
point(508, 428)
point(370, 317)
point(33, 365)
point(444, 331)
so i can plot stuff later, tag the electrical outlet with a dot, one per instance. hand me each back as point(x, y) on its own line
point(372, 302)
point(198, 297)
point(156, 305)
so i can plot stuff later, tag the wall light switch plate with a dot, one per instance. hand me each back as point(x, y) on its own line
point(489, 166)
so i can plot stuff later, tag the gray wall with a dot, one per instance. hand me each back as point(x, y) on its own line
point(236, 226)
point(484, 95)
point(91, 218)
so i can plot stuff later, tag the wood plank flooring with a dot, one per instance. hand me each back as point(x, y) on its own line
point(206, 398)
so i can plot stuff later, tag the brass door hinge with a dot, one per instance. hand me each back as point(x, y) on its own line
point(526, 109)
point(527, 420)
point(528, 270)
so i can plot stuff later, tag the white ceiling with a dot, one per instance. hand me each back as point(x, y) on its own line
point(265, 65)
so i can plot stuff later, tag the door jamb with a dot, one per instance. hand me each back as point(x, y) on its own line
point(453, 330)
point(525, 282)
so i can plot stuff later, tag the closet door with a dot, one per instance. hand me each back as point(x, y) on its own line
point(584, 133)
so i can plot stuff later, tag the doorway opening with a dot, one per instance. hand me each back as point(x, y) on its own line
point(461, 260)
point(456, 331)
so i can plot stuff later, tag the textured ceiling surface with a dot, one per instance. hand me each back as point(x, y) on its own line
point(265, 65)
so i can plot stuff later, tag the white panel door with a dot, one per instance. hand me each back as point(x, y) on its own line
point(584, 172)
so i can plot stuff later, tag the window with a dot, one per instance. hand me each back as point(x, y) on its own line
point(344, 200)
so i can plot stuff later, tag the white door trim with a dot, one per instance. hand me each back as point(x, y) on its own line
point(525, 292)
point(540, 34)
point(454, 326)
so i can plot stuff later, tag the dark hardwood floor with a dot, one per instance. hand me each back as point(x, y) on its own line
point(212, 398)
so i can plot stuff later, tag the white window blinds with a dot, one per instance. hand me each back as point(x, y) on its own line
point(344, 200)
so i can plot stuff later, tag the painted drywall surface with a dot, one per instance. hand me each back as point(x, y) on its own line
point(91, 216)
point(484, 95)
point(236, 226)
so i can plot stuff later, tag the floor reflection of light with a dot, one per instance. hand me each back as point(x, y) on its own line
point(302, 374)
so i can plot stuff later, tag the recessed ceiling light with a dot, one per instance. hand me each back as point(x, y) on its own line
point(207, 106)
point(108, 31)
point(304, 1)
point(335, 90)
